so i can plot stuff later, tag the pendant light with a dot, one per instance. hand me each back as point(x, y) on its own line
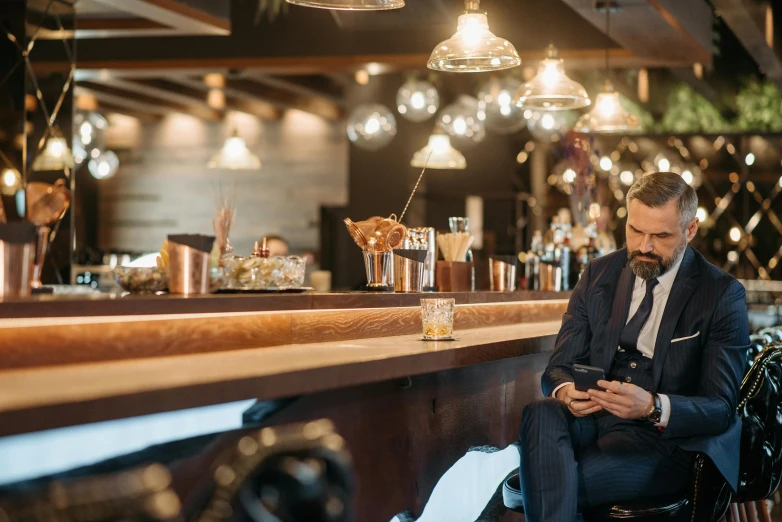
point(56, 155)
point(551, 89)
point(473, 48)
point(351, 5)
point(607, 115)
point(235, 156)
point(439, 154)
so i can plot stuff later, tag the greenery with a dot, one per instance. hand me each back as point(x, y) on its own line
point(759, 106)
point(689, 112)
point(645, 118)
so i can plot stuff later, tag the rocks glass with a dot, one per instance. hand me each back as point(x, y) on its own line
point(437, 319)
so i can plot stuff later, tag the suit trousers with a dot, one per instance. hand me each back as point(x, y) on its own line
point(569, 464)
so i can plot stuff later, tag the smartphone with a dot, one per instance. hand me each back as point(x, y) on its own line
point(586, 377)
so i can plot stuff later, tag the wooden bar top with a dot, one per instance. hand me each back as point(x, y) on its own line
point(104, 304)
point(33, 399)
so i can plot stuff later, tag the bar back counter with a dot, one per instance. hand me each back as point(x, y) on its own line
point(407, 408)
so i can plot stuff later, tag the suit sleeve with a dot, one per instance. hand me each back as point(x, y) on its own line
point(572, 344)
point(710, 411)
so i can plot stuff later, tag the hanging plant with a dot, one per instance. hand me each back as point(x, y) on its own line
point(759, 106)
point(271, 9)
point(689, 112)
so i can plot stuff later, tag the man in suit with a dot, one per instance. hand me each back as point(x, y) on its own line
point(670, 331)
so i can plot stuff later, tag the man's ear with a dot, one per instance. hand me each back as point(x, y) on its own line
point(692, 229)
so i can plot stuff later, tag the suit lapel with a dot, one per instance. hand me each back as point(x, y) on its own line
point(683, 287)
point(618, 319)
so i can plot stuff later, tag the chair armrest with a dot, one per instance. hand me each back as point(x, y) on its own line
point(710, 495)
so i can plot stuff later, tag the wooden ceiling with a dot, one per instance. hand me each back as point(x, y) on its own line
point(304, 58)
point(131, 18)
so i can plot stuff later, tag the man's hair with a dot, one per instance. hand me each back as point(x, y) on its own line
point(656, 189)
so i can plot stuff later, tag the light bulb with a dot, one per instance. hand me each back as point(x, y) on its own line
point(733, 256)
point(503, 98)
point(701, 214)
point(687, 177)
point(9, 178)
point(372, 126)
point(749, 159)
point(606, 163)
point(550, 73)
point(471, 31)
point(663, 165)
point(547, 122)
point(11, 182)
point(460, 126)
point(235, 147)
point(626, 177)
point(569, 176)
point(735, 234)
point(56, 147)
point(607, 106)
point(417, 100)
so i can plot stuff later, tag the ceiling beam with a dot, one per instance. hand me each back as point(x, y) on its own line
point(665, 30)
point(739, 18)
point(247, 89)
point(575, 59)
point(197, 90)
point(304, 85)
point(123, 105)
point(162, 100)
point(180, 17)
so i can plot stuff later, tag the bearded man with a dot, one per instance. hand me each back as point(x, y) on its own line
point(670, 332)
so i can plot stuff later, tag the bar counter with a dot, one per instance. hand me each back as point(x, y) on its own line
point(407, 408)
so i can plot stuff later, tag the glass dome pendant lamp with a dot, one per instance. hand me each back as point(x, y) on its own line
point(607, 114)
point(439, 154)
point(473, 48)
point(551, 89)
point(351, 5)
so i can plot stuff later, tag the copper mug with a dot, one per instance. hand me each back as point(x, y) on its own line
point(16, 268)
point(188, 270)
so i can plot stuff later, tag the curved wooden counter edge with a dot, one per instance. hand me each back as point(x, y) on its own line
point(45, 398)
point(104, 304)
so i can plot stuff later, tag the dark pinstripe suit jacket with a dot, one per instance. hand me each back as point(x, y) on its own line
point(701, 375)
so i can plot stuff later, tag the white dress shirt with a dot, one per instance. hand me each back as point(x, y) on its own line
point(648, 336)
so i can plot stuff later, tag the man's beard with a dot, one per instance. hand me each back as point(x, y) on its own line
point(653, 269)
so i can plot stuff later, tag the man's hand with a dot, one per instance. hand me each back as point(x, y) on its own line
point(577, 402)
point(626, 401)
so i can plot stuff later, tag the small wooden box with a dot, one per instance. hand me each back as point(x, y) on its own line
point(454, 276)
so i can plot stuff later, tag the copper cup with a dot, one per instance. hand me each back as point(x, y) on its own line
point(188, 270)
point(502, 276)
point(16, 268)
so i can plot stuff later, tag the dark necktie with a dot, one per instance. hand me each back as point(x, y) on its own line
point(628, 341)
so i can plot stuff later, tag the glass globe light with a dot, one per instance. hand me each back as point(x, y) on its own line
point(607, 115)
point(551, 89)
point(417, 100)
point(351, 5)
point(549, 125)
point(463, 121)
point(90, 128)
point(439, 154)
point(104, 166)
point(10, 182)
point(473, 48)
point(495, 99)
point(692, 175)
point(371, 127)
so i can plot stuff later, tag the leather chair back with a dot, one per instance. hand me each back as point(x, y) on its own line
point(760, 409)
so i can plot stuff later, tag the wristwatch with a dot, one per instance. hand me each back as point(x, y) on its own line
point(655, 413)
